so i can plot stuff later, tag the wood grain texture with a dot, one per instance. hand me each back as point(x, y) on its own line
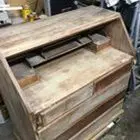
point(53, 130)
point(99, 42)
point(12, 96)
point(64, 94)
point(67, 104)
point(88, 120)
point(119, 36)
point(68, 74)
point(21, 38)
point(24, 74)
point(103, 82)
point(99, 123)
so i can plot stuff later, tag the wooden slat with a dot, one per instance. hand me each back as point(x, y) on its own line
point(103, 82)
point(86, 92)
point(21, 38)
point(53, 130)
point(12, 96)
point(98, 124)
point(67, 104)
point(99, 42)
point(62, 77)
point(24, 74)
point(119, 36)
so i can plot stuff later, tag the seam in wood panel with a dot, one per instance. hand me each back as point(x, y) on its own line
point(112, 77)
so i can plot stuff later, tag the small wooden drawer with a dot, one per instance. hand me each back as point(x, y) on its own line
point(70, 118)
point(67, 104)
point(103, 82)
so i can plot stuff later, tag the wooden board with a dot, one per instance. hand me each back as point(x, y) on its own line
point(63, 81)
point(66, 121)
point(67, 104)
point(17, 2)
point(12, 96)
point(21, 38)
point(24, 74)
point(66, 75)
point(99, 123)
point(99, 42)
point(119, 37)
point(70, 102)
point(103, 82)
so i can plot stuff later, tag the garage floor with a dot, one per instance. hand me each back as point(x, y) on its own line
point(6, 131)
point(129, 126)
point(127, 129)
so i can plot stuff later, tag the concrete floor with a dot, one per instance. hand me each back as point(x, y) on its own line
point(6, 131)
point(127, 129)
point(129, 126)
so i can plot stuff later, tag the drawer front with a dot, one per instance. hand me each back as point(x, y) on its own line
point(67, 120)
point(67, 104)
point(103, 82)
point(81, 129)
point(100, 123)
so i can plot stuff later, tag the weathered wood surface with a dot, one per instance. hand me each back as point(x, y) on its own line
point(103, 82)
point(76, 98)
point(12, 95)
point(24, 74)
point(119, 37)
point(98, 124)
point(66, 121)
point(52, 105)
point(67, 104)
point(64, 76)
point(21, 38)
point(99, 42)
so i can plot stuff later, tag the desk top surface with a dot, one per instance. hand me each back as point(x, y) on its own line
point(21, 38)
point(62, 77)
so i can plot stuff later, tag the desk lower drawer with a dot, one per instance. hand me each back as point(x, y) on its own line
point(97, 123)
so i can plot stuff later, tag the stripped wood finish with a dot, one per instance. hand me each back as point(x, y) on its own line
point(70, 73)
point(98, 124)
point(21, 38)
point(52, 131)
point(67, 104)
point(50, 97)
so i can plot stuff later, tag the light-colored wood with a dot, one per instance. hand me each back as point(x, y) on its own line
point(21, 38)
point(106, 129)
point(119, 37)
point(59, 91)
point(24, 74)
point(12, 96)
point(66, 75)
point(102, 82)
point(16, 2)
point(28, 80)
point(101, 122)
point(99, 42)
point(67, 104)
point(90, 117)
point(53, 130)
